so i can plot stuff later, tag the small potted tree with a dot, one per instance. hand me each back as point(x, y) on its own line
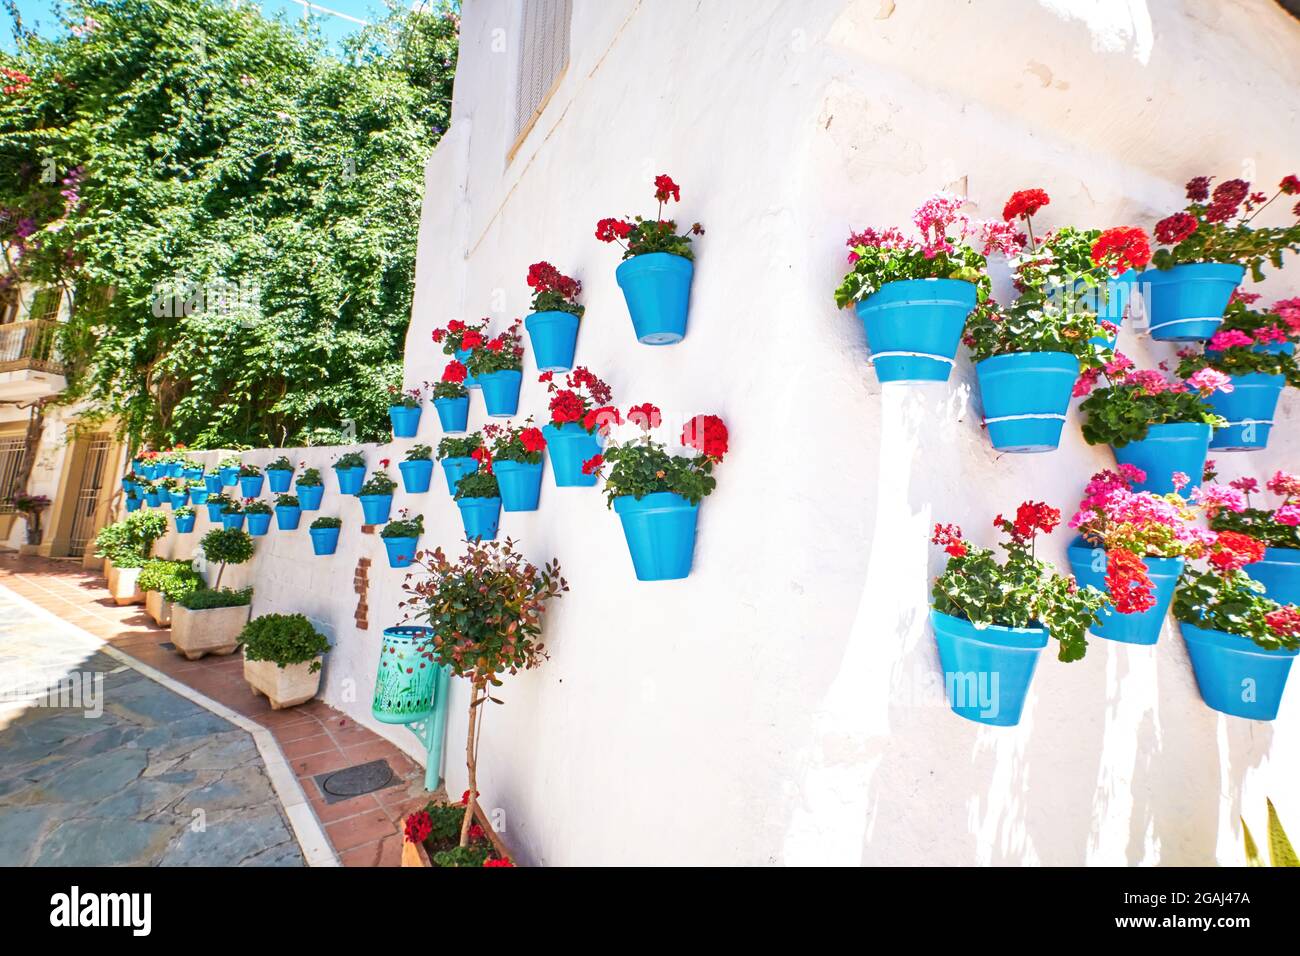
point(485, 612)
point(498, 367)
point(282, 658)
point(458, 339)
point(581, 417)
point(417, 469)
point(517, 461)
point(377, 496)
point(288, 512)
point(402, 538)
point(209, 621)
point(451, 398)
point(164, 583)
point(404, 407)
point(324, 533)
point(657, 268)
point(258, 513)
point(279, 474)
point(553, 324)
point(351, 472)
point(457, 457)
point(991, 620)
point(310, 488)
point(431, 837)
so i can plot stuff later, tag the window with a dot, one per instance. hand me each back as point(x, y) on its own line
point(543, 55)
point(11, 460)
point(8, 307)
point(45, 305)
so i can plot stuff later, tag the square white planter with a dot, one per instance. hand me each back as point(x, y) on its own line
point(282, 686)
point(158, 607)
point(214, 631)
point(123, 584)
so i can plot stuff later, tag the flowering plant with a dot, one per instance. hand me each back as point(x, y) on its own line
point(1277, 527)
point(1225, 598)
point(410, 398)
point(458, 336)
point(944, 250)
point(222, 503)
point(1216, 227)
point(256, 506)
point(1022, 591)
point(452, 384)
point(310, 478)
point(501, 353)
point(584, 399)
point(280, 464)
point(484, 611)
point(419, 453)
point(1241, 346)
point(326, 521)
point(379, 483)
point(286, 501)
point(641, 236)
point(437, 828)
point(478, 484)
point(404, 526)
point(459, 447)
point(351, 459)
point(553, 291)
point(643, 466)
point(524, 443)
point(1134, 400)
point(230, 461)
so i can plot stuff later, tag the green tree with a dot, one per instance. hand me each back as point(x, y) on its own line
point(235, 210)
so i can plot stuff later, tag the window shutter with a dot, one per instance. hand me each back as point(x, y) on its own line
point(543, 54)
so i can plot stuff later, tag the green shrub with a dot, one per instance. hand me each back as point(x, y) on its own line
point(209, 598)
point(227, 546)
point(478, 484)
point(310, 478)
point(283, 639)
point(327, 522)
point(129, 542)
point(286, 501)
point(172, 579)
point(380, 483)
point(404, 528)
point(352, 459)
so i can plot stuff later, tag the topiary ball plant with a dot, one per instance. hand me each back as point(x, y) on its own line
point(283, 639)
point(227, 546)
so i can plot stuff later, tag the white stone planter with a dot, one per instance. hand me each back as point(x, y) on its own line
point(158, 607)
point(123, 584)
point(282, 686)
point(213, 631)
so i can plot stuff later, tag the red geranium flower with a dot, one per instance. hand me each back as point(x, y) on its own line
point(647, 416)
point(471, 340)
point(1131, 590)
point(607, 230)
point(1290, 185)
point(665, 188)
point(418, 826)
point(532, 439)
point(1024, 203)
point(498, 862)
point(543, 276)
point(454, 372)
point(592, 464)
point(1174, 229)
point(1233, 550)
point(602, 418)
point(949, 535)
point(566, 407)
point(483, 455)
point(1121, 249)
point(496, 345)
point(455, 325)
point(706, 434)
point(1198, 188)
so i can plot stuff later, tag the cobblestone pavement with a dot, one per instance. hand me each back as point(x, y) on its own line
point(101, 766)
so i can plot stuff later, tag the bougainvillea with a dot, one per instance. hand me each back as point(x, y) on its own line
point(641, 236)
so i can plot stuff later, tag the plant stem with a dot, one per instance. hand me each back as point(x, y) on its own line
point(220, 571)
point(471, 760)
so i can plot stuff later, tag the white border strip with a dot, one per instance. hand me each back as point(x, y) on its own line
point(1021, 418)
point(1165, 325)
point(924, 355)
point(307, 830)
point(1251, 421)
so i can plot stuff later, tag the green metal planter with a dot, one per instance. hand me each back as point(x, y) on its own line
point(412, 690)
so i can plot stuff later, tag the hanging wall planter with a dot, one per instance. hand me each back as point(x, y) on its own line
point(213, 483)
point(154, 497)
point(1249, 409)
point(457, 468)
point(457, 456)
point(324, 535)
point(987, 671)
point(1141, 627)
point(1279, 572)
point(259, 522)
point(1235, 675)
point(1026, 396)
point(198, 495)
point(1119, 293)
point(554, 338)
point(501, 392)
point(288, 513)
point(417, 470)
point(1186, 303)
point(250, 482)
point(279, 475)
point(232, 520)
point(216, 505)
point(133, 503)
point(351, 472)
point(479, 498)
point(1167, 450)
point(178, 499)
point(405, 412)
point(914, 326)
point(229, 475)
point(521, 484)
point(402, 539)
point(185, 519)
point(453, 414)
point(660, 533)
point(569, 446)
point(462, 356)
point(375, 509)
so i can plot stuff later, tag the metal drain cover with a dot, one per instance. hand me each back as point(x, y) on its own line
point(354, 781)
point(167, 645)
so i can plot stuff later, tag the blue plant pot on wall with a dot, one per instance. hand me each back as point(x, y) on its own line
point(174, 469)
point(375, 509)
point(185, 523)
point(1182, 446)
point(569, 446)
point(309, 496)
point(154, 498)
point(1119, 292)
point(416, 475)
point(133, 504)
point(1279, 572)
point(462, 356)
point(457, 468)
point(521, 484)
point(501, 392)
point(406, 421)
point(401, 551)
point(250, 486)
point(324, 540)
point(660, 533)
point(216, 512)
point(128, 484)
point(987, 672)
point(229, 477)
point(287, 517)
point(232, 519)
point(350, 480)
point(1235, 675)
point(1089, 567)
point(212, 483)
point(657, 289)
point(259, 523)
point(178, 499)
point(1026, 396)
point(1186, 303)
point(191, 474)
point(278, 479)
point(480, 517)
point(198, 496)
point(453, 414)
point(914, 327)
point(1249, 409)
point(554, 338)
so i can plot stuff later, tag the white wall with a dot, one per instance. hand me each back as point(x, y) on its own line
point(783, 704)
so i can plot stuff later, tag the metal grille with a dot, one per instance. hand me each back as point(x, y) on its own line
point(45, 305)
point(11, 459)
point(88, 492)
point(543, 54)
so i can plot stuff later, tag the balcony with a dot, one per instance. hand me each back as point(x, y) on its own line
point(30, 367)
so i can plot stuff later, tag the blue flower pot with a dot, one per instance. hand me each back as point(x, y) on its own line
point(198, 496)
point(133, 504)
point(462, 356)
point(137, 466)
point(416, 475)
point(554, 337)
point(568, 446)
point(1025, 396)
point(232, 519)
point(1235, 675)
point(501, 392)
point(309, 496)
point(457, 468)
point(914, 327)
point(406, 421)
point(480, 516)
point(191, 474)
point(250, 486)
point(147, 472)
point(174, 469)
point(154, 498)
point(660, 533)
point(1279, 572)
point(212, 483)
point(1186, 303)
point(350, 480)
point(375, 509)
point(178, 499)
point(185, 523)
point(216, 512)
point(259, 523)
point(287, 517)
point(1089, 567)
point(324, 540)
point(657, 288)
point(128, 484)
point(987, 671)
point(278, 479)
point(453, 413)
point(229, 477)
point(1182, 446)
point(521, 484)
point(1119, 293)
point(401, 551)
point(1249, 409)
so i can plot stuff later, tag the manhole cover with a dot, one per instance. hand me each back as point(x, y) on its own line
point(167, 645)
point(354, 781)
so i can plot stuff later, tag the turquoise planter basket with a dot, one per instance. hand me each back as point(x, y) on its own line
point(309, 496)
point(520, 483)
point(1186, 303)
point(453, 414)
point(1026, 396)
point(569, 446)
point(501, 392)
point(185, 523)
point(657, 289)
point(216, 512)
point(278, 479)
point(1279, 572)
point(416, 475)
point(324, 540)
point(406, 421)
point(350, 480)
point(133, 504)
point(914, 327)
point(250, 486)
point(480, 517)
point(1089, 567)
point(987, 671)
point(404, 684)
point(375, 509)
point(1166, 449)
point(457, 468)
point(287, 517)
point(1235, 675)
point(401, 551)
point(212, 483)
point(178, 499)
point(232, 519)
point(259, 523)
point(462, 356)
point(229, 477)
point(660, 533)
point(1249, 409)
point(554, 338)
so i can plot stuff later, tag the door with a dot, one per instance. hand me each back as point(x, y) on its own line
point(89, 491)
